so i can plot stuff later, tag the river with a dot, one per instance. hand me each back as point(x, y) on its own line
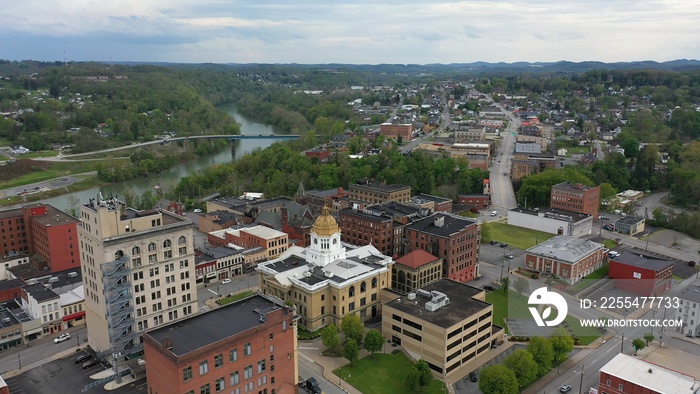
point(171, 177)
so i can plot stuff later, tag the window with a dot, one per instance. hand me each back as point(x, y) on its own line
point(351, 306)
point(218, 361)
point(135, 250)
point(261, 366)
point(248, 372)
point(203, 367)
point(233, 355)
point(235, 379)
point(219, 385)
point(374, 283)
point(181, 240)
point(352, 291)
point(151, 247)
point(247, 349)
point(272, 336)
point(363, 287)
point(187, 374)
point(204, 389)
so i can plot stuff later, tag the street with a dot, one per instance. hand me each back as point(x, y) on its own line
point(502, 195)
point(39, 350)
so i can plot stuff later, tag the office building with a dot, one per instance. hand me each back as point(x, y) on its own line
point(575, 197)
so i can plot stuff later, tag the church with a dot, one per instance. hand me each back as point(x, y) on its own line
point(328, 279)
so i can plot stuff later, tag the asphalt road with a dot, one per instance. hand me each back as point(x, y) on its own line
point(38, 187)
point(39, 350)
point(502, 195)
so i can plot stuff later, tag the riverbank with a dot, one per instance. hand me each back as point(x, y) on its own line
point(89, 180)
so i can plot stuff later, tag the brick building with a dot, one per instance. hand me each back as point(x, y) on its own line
point(641, 274)
point(244, 347)
point(392, 130)
point(414, 271)
point(478, 201)
point(576, 198)
point(336, 199)
point(569, 258)
point(630, 375)
point(451, 238)
point(272, 241)
point(373, 192)
point(320, 154)
point(219, 220)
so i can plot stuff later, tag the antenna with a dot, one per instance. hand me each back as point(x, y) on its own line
point(65, 58)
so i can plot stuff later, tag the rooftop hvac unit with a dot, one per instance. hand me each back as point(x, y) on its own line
point(6, 320)
point(432, 307)
point(307, 274)
point(53, 279)
point(411, 296)
point(424, 294)
point(72, 274)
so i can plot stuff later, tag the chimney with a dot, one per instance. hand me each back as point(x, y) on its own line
point(284, 216)
point(122, 211)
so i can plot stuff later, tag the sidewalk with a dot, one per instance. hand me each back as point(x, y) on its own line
point(328, 364)
point(56, 356)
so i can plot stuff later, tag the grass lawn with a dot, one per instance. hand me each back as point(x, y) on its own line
point(677, 277)
point(5, 142)
point(235, 297)
point(600, 273)
point(519, 309)
point(609, 243)
point(577, 150)
point(40, 153)
point(383, 373)
point(59, 169)
point(519, 237)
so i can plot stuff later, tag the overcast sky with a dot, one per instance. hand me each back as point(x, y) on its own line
point(340, 31)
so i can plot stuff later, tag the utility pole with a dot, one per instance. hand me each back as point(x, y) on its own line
point(622, 344)
point(580, 387)
point(653, 315)
point(503, 263)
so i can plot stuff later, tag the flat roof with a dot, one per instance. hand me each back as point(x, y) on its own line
point(367, 214)
point(430, 197)
point(40, 293)
point(570, 186)
point(373, 185)
point(660, 379)
point(629, 220)
point(220, 252)
point(691, 292)
point(565, 248)
point(11, 213)
point(11, 284)
point(452, 224)
point(556, 214)
point(462, 304)
point(54, 216)
point(642, 261)
point(258, 231)
point(216, 325)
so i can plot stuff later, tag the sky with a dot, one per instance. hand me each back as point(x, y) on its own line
point(355, 32)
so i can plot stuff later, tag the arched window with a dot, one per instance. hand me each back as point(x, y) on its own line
point(151, 247)
point(119, 254)
point(167, 243)
point(374, 283)
point(363, 287)
point(136, 250)
point(352, 291)
point(182, 240)
point(402, 277)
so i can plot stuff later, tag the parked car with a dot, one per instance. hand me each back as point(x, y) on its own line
point(503, 244)
point(564, 388)
point(489, 288)
point(82, 358)
point(226, 281)
point(197, 210)
point(509, 256)
point(495, 242)
point(609, 227)
point(90, 363)
point(601, 217)
point(472, 376)
point(61, 338)
point(311, 386)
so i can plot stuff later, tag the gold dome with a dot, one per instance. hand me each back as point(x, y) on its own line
point(325, 225)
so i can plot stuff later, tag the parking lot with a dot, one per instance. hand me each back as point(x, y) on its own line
point(65, 376)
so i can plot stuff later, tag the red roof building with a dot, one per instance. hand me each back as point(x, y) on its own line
point(415, 270)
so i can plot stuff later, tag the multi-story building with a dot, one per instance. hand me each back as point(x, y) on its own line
point(448, 324)
point(544, 143)
point(227, 262)
point(642, 274)
point(335, 199)
point(569, 258)
point(220, 220)
point(626, 374)
point(433, 203)
point(575, 197)
point(373, 192)
point(247, 346)
point(274, 242)
point(415, 270)
point(42, 304)
point(328, 280)
point(478, 201)
point(468, 134)
point(367, 227)
point(689, 310)
point(522, 168)
point(452, 238)
point(138, 272)
point(396, 131)
point(43, 230)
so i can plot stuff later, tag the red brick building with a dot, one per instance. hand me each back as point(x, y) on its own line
point(575, 198)
point(44, 230)
point(321, 154)
point(641, 274)
point(391, 130)
point(364, 227)
point(451, 238)
point(631, 375)
point(248, 346)
point(569, 258)
point(11, 289)
point(479, 201)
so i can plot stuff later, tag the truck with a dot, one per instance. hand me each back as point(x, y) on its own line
point(310, 385)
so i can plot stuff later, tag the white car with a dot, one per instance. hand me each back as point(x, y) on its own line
point(197, 210)
point(61, 338)
point(226, 281)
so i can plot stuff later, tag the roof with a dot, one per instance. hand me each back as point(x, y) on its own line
point(430, 225)
point(430, 197)
point(216, 325)
point(648, 375)
point(462, 304)
point(556, 214)
point(54, 217)
point(11, 213)
point(258, 231)
point(219, 252)
point(40, 293)
point(691, 292)
point(629, 220)
point(570, 186)
point(73, 297)
point(417, 258)
point(378, 186)
point(565, 248)
point(642, 261)
point(11, 284)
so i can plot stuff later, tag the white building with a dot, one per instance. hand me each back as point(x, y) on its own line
point(689, 311)
point(553, 221)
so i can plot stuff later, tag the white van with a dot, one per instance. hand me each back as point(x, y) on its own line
point(494, 213)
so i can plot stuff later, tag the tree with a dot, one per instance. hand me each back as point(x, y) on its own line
point(521, 285)
point(638, 345)
point(562, 344)
point(330, 338)
point(505, 281)
point(542, 353)
point(549, 282)
point(523, 364)
point(497, 379)
point(374, 341)
point(353, 328)
point(648, 337)
point(424, 374)
point(413, 379)
point(351, 351)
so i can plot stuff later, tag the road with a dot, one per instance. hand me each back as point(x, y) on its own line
point(502, 195)
point(600, 154)
point(446, 121)
point(39, 350)
point(51, 184)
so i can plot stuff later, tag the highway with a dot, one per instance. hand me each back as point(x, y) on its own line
point(502, 195)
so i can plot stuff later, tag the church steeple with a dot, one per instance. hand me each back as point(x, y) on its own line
point(325, 240)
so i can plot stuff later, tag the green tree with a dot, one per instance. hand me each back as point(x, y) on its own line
point(374, 341)
point(330, 338)
point(351, 351)
point(413, 379)
point(542, 353)
point(424, 374)
point(521, 285)
point(505, 282)
point(562, 344)
point(648, 337)
point(352, 327)
point(638, 345)
point(523, 364)
point(497, 379)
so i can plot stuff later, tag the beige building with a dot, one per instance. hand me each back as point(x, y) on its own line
point(373, 192)
point(328, 280)
point(448, 324)
point(138, 273)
